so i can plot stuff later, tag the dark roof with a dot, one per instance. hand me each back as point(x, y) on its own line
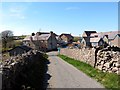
point(43, 33)
point(40, 33)
point(26, 48)
point(88, 33)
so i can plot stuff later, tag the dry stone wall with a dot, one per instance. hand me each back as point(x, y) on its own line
point(107, 59)
point(85, 55)
point(24, 72)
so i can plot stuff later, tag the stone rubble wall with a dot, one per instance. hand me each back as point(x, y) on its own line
point(17, 71)
point(107, 59)
point(85, 55)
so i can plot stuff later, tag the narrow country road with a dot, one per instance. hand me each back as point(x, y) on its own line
point(64, 75)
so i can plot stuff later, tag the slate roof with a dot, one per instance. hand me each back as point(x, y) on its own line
point(111, 34)
point(41, 33)
point(88, 33)
point(26, 48)
point(37, 37)
point(41, 37)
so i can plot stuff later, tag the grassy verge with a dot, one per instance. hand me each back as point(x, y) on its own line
point(108, 80)
point(5, 56)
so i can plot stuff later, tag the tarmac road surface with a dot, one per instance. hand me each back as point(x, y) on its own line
point(64, 75)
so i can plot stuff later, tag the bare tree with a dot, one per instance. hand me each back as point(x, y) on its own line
point(6, 36)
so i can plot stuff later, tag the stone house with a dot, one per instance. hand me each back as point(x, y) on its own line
point(86, 38)
point(19, 50)
point(95, 42)
point(65, 39)
point(108, 37)
point(104, 37)
point(42, 41)
point(112, 36)
point(116, 41)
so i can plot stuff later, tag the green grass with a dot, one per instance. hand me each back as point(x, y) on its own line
point(5, 56)
point(5, 49)
point(11, 45)
point(17, 42)
point(108, 80)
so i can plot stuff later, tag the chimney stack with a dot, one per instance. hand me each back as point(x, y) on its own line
point(51, 33)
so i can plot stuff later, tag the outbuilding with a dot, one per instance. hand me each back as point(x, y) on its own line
point(19, 50)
